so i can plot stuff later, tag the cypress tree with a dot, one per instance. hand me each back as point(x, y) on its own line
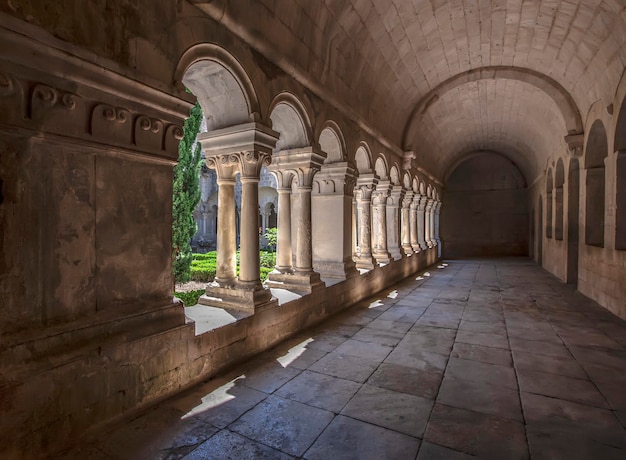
point(186, 195)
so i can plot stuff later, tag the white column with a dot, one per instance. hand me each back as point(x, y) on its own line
point(393, 222)
point(428, 228)
point(421, 222)
point(406, 223)
point(283, 246)
point(379, 222)
point(416, 231)
point(363, 192)
point(332, 214)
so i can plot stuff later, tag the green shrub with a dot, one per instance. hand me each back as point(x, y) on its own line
point(268, 259)
point(189, 298)
point(204, 266)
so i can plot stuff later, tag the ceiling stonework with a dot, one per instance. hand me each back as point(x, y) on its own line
point(381, 58)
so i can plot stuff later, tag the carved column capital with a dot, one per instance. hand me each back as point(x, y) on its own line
point(575, 144)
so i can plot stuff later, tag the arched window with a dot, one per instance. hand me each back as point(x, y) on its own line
point(549, 187)
point(620, 149)
point(559, 181)
point(595, 153)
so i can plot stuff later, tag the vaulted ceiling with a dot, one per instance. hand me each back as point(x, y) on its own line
point(391, 61)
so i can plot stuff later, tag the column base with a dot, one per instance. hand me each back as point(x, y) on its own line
point(365, 262)
point(396, 253)
point(303, 283)
point(242, 297)
point(423, 246)
point(336, 270)
point(418, 248)
point(408, 249)
point(382, 257)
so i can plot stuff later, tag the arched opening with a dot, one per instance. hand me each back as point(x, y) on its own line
point(289, 123)
point(486, 211)
point(380, 168)
point(549, 215)
point(595, 154)
point(620, 183)
point(573, 224)
point(559, 181)
point(330, 143)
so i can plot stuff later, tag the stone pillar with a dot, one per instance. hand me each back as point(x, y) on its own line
point(428, 224)
point(283, 245)
point(244, 149)
point(332, 220)
point(393, 222)
point(303, 163)
point(364, 187)
point(379, 222)
point(407, 224)
point(436, 225)
point(421, 222)
point(416, 230)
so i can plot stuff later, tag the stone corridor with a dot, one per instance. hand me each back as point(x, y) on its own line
point(492, 358)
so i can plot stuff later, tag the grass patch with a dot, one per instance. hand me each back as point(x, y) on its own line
point(204, 266)
point(189, 298)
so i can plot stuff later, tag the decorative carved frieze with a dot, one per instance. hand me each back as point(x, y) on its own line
point(44, 108)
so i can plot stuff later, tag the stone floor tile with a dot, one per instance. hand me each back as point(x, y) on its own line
point(84, 451)
point(327, 341)
point(268, 376)
point(345, 366)
point(283, 424)
point(368, 350)
point(585, 336)
point(438, 321)
point(300, 357)
point(223, 405)
point(556, 446)
point(227, 445)
point(406, 380)
point(388, 338)
point(402, 314)
point(429, 451)
point(482, 372)
point(551, 364)
point(160, 429)
point(539, 347)
point(497, 328)
point(534, 333)
point(551, 415)
point(489, 355)
point(615, 394)
point(485, 340)
point(480, 397)
point(401, 412)
point(420, 360)
point(613, 359)
point(486, 436)
point(319, 390)
point(350, 439)
point(391, 326)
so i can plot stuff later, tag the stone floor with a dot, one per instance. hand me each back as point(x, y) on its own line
point(489, 358)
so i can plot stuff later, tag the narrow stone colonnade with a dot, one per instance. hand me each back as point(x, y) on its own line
point(391, 222)
point(485, 358)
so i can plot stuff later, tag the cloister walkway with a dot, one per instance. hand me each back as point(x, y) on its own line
point(491, 358)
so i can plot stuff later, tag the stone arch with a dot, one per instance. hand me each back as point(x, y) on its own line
point(406, 181)
point(416, 185)
point(563, 100)
point(363, 158)
point(221, 84)
point(394, 175)
point(429, 191)
point(596, 151)
point(380, 167)
point(291, 120)
point(559, 182)
point(331, 141)
point(620, 183)
point(422, 188)
point(549, 207)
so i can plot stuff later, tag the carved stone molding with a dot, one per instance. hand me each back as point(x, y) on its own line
point(575, 144)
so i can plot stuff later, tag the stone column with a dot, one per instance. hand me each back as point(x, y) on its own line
point(244, 149)
point(364, 187)
point(437, 208)
point(283, 245)
point(226, 169)
point(407, 224)
point(379, 222)
point(428, 224)
point(393, 222)
point(332, 219)
point(421, 222)
point(416, 230)
point(303, 163)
